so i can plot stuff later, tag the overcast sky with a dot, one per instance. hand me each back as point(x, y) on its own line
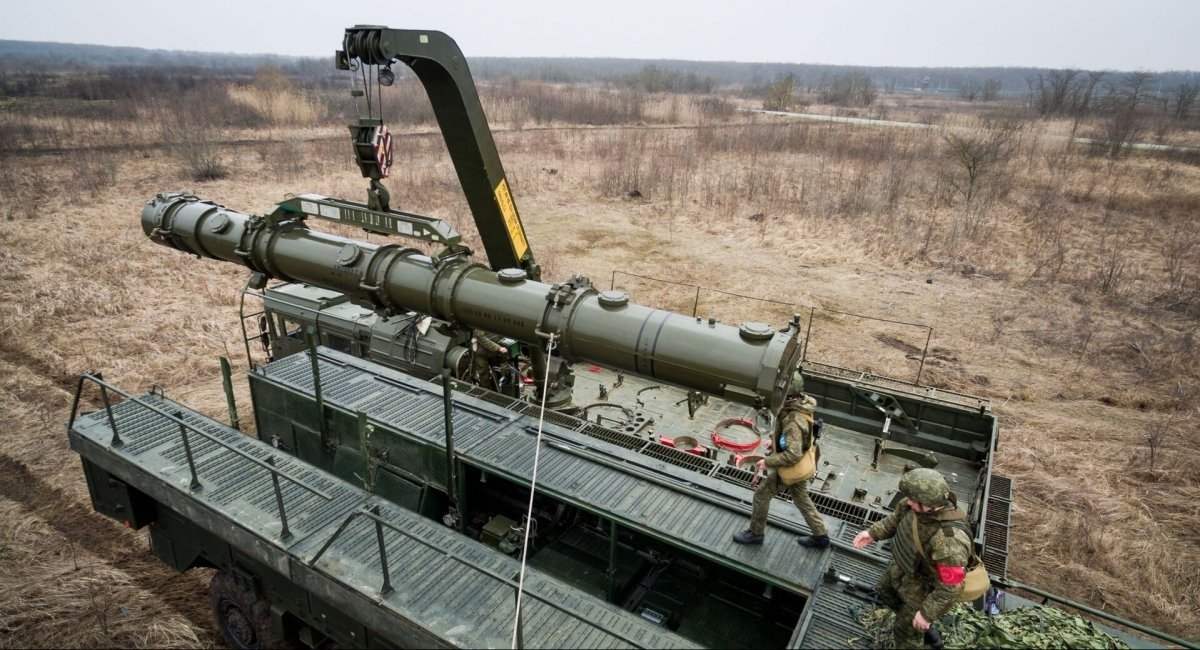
point(1109, 34)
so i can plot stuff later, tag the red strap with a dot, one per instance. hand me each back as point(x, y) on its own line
point(951, 575)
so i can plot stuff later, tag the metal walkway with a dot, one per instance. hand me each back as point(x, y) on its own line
point(831, 616)
point(639, 491)
point(446, 584)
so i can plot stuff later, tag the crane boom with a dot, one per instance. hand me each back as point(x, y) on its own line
point(439, 64)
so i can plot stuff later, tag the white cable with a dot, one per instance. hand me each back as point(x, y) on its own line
point(532, 488)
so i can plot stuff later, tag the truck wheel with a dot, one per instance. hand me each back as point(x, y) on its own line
point(245, 621)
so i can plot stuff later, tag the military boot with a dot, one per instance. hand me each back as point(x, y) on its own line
point(748, 537)
point(814, 541)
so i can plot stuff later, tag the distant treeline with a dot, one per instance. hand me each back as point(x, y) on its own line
point(645, 74)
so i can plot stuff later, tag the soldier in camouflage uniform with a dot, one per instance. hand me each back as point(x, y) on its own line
point(793, 437)
point(921, 588)
point(485, 351)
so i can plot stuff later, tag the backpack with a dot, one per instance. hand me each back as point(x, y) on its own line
point(806, 467)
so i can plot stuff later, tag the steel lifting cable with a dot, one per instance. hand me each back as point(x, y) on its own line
point(362, 70)
point(355, 65)
point(532, 489)
point(379, 94)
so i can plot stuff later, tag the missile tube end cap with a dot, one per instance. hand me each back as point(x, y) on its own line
point(512, 276)
point(614, 299)
point(756, 331)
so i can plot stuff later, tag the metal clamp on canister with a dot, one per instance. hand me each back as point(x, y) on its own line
point(735, 445)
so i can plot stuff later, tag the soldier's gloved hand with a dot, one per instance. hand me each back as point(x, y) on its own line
point(760, 470)
point(863, 539)
point(919, 622)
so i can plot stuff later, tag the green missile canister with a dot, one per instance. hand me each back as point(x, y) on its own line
point(750, 364)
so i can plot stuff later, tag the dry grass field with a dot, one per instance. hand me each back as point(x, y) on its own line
point(1061, 284)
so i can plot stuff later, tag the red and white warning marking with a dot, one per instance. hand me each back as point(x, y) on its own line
point(383, 150)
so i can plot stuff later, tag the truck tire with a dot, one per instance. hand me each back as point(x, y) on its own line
point(244, 620)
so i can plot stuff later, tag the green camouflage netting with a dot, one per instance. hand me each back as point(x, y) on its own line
point(1026, 627)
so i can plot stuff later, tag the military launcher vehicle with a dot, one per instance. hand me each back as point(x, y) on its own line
point(456, 453)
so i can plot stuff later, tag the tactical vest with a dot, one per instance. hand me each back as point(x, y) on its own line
point(904, 547)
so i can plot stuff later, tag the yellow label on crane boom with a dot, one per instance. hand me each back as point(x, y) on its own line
point(516, 234)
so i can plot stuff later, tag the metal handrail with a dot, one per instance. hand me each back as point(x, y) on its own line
point(696, 301)
point(612, 284)
point(374, 515)
point(104, 387)
point(811, 313)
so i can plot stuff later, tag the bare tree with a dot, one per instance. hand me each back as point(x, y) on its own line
point(981, 155)
point(1049, 93)
point(990, 91)
point(1184, 97)
point(196, 142)
point(851, 89)
point(1122, 103)
point(1156, 438)
point(1064, 92)
point(781, 95)
point(1085, 93)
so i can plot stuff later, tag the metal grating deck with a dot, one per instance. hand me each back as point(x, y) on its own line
point(659, 493)
point(997, 526)
point(854, 514)
point(1001, 487)
point(460, 591)
point(591, 429)
point(830, 619)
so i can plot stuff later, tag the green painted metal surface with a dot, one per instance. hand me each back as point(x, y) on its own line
point(746, 366)
point(660, 499)
point(448, 588)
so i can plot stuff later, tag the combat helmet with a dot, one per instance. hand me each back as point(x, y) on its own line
point(925, 486)
point(796, 385)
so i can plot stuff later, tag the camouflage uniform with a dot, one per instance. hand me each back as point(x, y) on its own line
point(485, 351)
point(910, 583)
point(794, 436)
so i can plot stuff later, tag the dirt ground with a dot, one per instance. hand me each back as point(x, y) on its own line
point(1095, 391)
